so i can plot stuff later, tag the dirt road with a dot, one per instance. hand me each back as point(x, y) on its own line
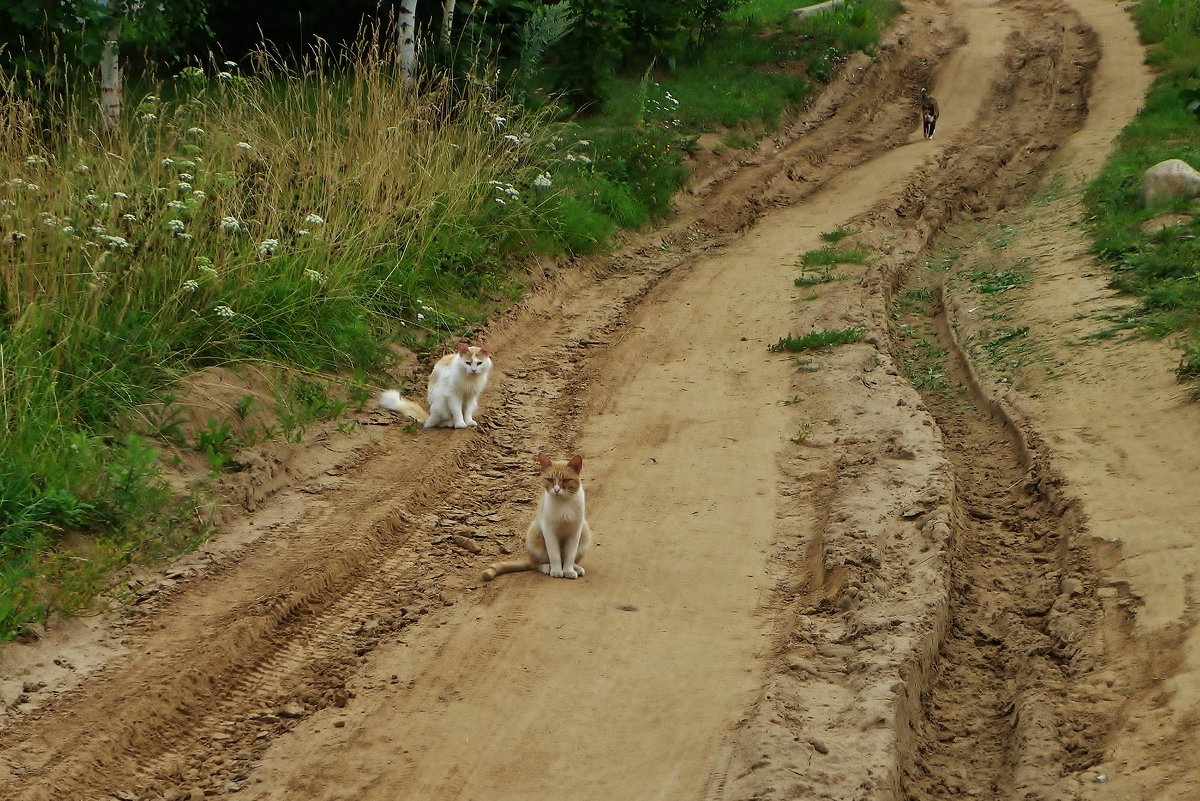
point(812, 579)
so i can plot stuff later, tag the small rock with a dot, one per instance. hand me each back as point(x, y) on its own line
point(818, 746)
point(466, 544)
point(1173, 178)
point(292, 710)
point(1071, 586)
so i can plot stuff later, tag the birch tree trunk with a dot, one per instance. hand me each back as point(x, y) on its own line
point(110, 74)
point(447, 23)
point(408, 36)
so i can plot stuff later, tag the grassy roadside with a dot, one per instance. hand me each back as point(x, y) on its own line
point(1161, 267)
point(295, 224)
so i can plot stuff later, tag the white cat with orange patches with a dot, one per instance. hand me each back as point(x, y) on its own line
point(559, 535)
point(455, 384)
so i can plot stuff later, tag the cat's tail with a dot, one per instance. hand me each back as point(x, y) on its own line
point(391, 399)
point(500, 568)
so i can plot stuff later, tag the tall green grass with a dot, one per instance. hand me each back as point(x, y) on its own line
point(1161, 268)
point(299, 217)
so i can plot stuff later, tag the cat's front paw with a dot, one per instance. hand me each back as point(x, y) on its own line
point(556, 572)
point(470, 423)
point(570, 572)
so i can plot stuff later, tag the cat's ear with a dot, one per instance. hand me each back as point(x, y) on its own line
point(576, 463)
point(463, 349)
point(485, 350)
point(543, 460)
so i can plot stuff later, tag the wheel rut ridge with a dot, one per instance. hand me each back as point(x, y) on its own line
point(1024, 625)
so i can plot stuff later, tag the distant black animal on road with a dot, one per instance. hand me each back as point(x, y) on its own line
point(929, 113)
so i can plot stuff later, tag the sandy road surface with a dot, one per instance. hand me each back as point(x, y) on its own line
point(811, 580)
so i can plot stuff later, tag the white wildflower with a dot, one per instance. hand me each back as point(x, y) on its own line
point(224, 311)
point(33, 187)
point(17, 182)
point(183, 186)
point(69, 230)
point(91, 197)
point(542, 180)
point(207, 270)
point(187, 165)
point(17, 236)
point(231, 64)
point(420, 316)
point(129, 217)
point(585, 159)
point(244, 146)
point(268, 247)
point(314, 276)
point(49, 220)
point(225, 76)
point(176, 205)
point(167, 162)
point(176, 226)
point(184, 236)
point(314, 220)
point(191, 285)
point(196, 131)
point(186, 176)
point(584, 143)
point(83, 169)
point(516, 140)
point(149, 117)
point(230, 225)
point(199, 194)
point(36, 161)
point(303, 232)
point(97, 229)
point(103, 208)
point(120, 196)
point(501, 121)
point(500, 200)
point(116, 242)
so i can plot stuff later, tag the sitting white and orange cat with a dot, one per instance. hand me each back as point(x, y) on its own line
point(559, 535)
point(455, 384)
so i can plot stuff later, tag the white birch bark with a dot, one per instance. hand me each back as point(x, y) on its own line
point(408, 36)
point(110, 74)
point(447, 23)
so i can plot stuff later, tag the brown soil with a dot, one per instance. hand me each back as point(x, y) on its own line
point(879, 571)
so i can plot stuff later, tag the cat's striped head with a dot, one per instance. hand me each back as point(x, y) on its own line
point(561, 478)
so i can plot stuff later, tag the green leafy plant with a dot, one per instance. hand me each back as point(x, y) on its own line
point(831, 255)
point(816, 340)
